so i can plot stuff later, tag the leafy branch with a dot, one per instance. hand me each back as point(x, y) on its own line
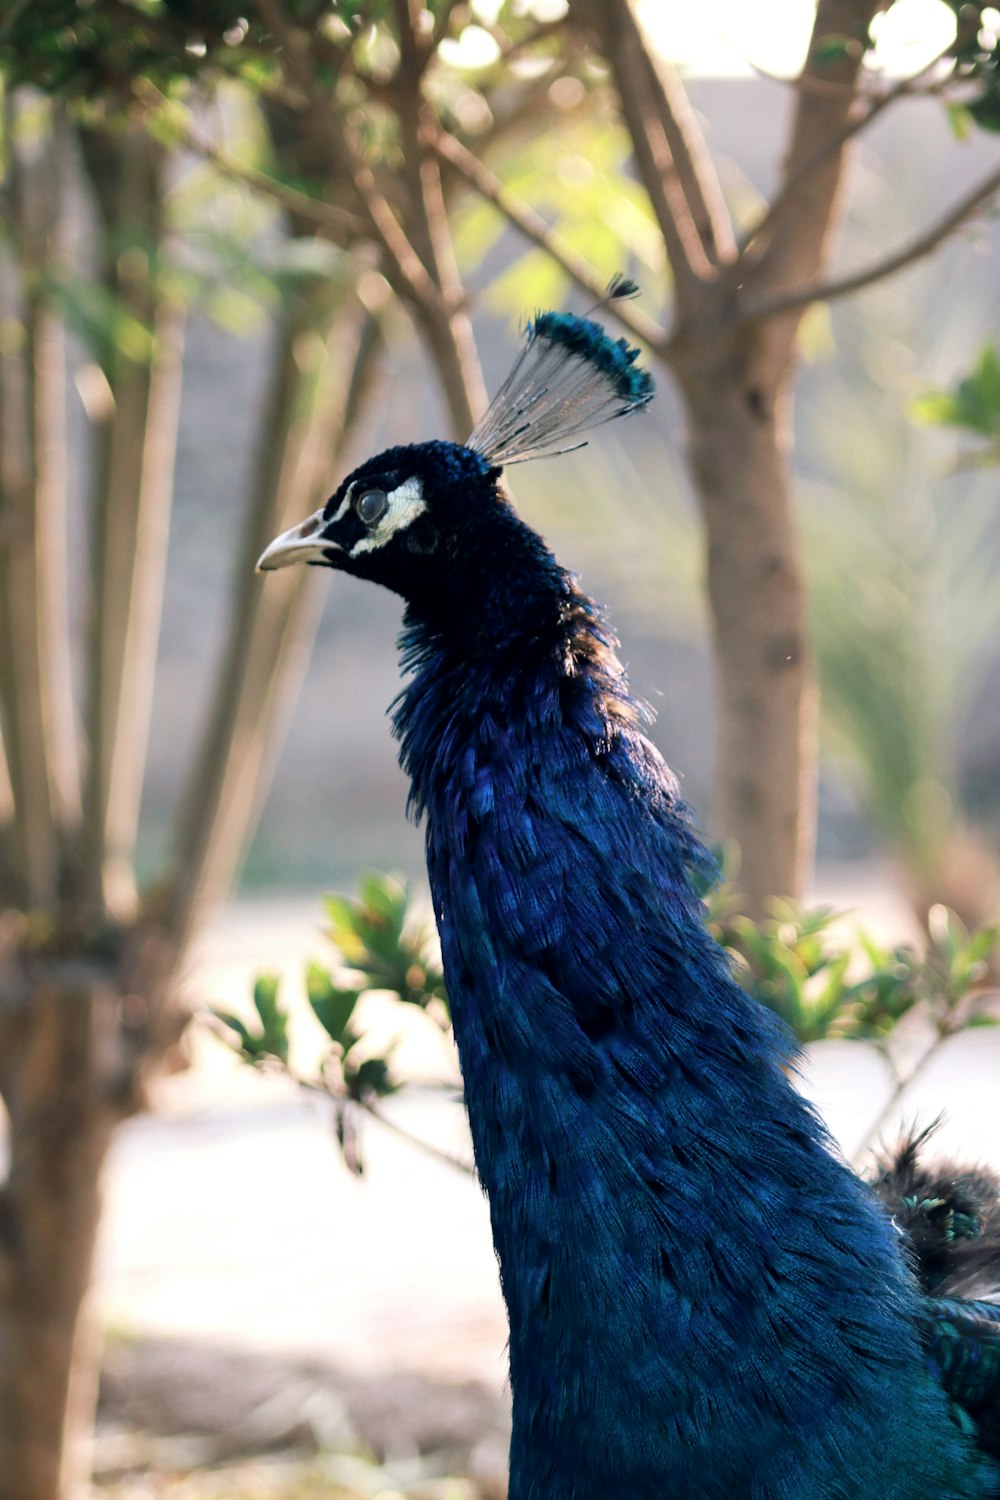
point(972, 404)
point(824, 984)
point(384, 943)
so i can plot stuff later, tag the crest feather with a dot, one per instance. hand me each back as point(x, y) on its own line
point(569, 376)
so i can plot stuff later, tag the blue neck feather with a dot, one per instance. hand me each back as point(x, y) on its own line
point(703, 1301)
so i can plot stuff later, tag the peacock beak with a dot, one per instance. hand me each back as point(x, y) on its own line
point(301, 543)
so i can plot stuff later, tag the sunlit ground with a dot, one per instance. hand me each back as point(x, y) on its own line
point(329, 1478)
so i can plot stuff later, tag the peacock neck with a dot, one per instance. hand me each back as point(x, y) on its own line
point(671, 1229)
point(552, 824)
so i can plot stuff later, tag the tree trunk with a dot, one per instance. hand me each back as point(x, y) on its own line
point(326, 350)
point(739, 449)
point(736, 371)
point(60, 1127)
point(131, 503)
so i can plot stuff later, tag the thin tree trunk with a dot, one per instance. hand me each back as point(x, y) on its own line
point(739, 448)
point(312, 408)
point(35, 692)
point(60, 1128)
point(131, 506)
point(736, 374)
point(48, 343)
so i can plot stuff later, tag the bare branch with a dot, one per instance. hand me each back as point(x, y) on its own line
point(342, 226)
point(695, 168)
point(339, 1101)
point(267, 624)
point(801, 226)
point(6, 790)
point(623, 45)
point(441, 24)
point(409, 271)
point(21, 659)
point(770, 305)
point(853, 126)
point(48, 341)
point(467, 1168)
point(444, 320)
point(534, 228)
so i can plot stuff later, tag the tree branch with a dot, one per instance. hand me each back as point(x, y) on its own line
point(442, 23)
point(534, 228)
point(49, 425)
point(851, 128)
point(342, 226)
point(409, 270)
point(624, 48)
point(296, 446)
point(806, 203)
point(6, 794)
point(695, 168)
point(131, 504)
point(444, 320)
point(467, 1168)
point(30, 505)
point(769, 305)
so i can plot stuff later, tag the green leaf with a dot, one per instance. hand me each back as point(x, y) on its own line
point(332, 1005)
point(385, 899)
point(833, 48)
point(265, 996)
point(273, 1016)
point(370, 1077)
point(254, 1047)
point(341, 914)
point(243, 1033)
point(235, 312)
point(973, 403)
point(982, 943)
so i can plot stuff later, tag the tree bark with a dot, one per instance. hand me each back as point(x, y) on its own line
point(739, 449)
point(60, 1128)
point(35, 691)
point(131, 504)
point(735, 372)
point(324, 357)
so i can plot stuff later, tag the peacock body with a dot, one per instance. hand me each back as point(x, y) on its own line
point(703, 1299)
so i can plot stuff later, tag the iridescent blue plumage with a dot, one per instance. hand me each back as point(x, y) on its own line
point(703, 1299)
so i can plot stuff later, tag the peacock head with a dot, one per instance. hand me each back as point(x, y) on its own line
point(432, 518)
point(403, 518)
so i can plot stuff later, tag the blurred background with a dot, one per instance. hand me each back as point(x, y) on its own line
point(244, 247)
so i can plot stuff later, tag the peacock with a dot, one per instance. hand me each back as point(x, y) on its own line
point(704, 1300)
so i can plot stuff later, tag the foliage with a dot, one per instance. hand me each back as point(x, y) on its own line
point(384, 942)
point(826, 982)
point(97, 51)
point(972, 404)
point(577, 176)
point(826, 985)
point(977, 61)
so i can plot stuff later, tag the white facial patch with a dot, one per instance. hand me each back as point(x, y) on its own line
point(341, 508)
point(406, 503)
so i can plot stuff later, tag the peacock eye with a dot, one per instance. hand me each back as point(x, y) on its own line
point(371, 505)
